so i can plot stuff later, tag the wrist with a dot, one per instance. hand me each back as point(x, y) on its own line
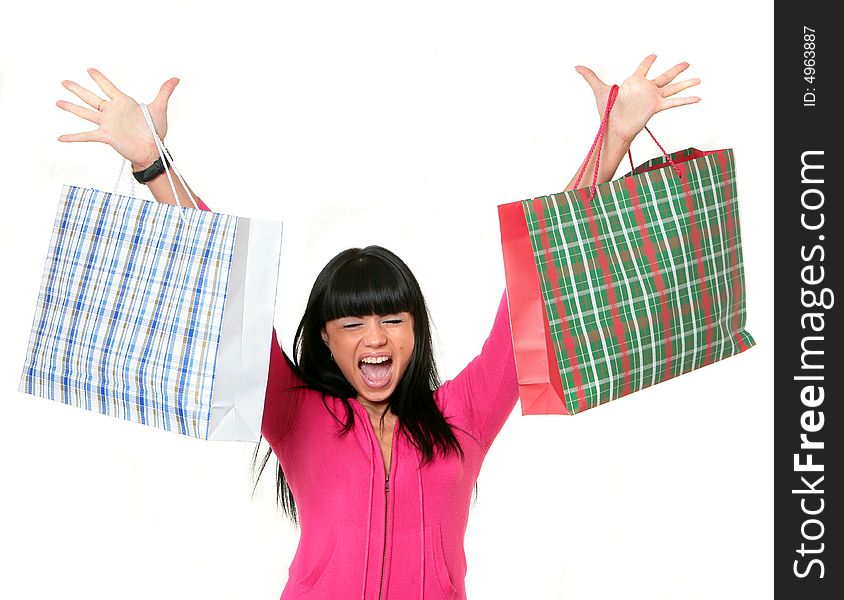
point(137, 167)
point(619, 139)
point(150, 155)
point(152, 171)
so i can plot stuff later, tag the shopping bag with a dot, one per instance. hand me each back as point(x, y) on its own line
point(626, 284)
point(156, 314)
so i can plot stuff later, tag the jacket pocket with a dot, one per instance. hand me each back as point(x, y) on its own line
point(308, 573)
point(444, 579)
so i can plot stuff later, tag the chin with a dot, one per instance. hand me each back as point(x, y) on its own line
point(379, 396)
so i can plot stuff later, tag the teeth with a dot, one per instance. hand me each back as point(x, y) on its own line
point(374, 360)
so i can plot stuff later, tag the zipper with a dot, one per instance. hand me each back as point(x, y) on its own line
point(386, 508)
point(386, 504)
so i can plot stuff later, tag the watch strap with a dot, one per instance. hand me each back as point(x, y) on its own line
point(152, 171)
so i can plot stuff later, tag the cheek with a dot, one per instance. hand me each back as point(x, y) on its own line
point(343, 354)
point(348, 367)
point(407, 346)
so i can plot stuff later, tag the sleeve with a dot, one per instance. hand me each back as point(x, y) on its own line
point(284, 388)
point(487, 389)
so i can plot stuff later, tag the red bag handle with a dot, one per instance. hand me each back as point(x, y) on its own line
point(599, 142)
point(664, 153)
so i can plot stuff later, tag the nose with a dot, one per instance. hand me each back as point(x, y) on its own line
point(374, 335)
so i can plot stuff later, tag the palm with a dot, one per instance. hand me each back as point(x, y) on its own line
point(639, 98)
point(121, 123)
point(124, 124)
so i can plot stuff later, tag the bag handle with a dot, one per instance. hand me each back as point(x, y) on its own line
point(599, 142)
point(120, 176)
point(169, 159)
point(664, 153)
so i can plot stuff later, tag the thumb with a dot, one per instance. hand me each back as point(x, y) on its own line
point(593, 80)
point(164, 93)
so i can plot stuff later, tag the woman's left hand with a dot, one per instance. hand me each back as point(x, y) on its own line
point(639, 98)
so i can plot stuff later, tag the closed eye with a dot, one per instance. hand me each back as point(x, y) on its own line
point(394, 320)
point(397, 318)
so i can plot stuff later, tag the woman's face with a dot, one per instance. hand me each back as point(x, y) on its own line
point(372, 352)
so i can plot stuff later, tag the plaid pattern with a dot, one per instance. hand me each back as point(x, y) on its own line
point(646, 281)
point(128, 317)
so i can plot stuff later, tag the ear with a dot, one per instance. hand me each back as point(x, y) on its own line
point(324, 335)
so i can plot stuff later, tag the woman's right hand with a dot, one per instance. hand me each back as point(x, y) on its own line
point(119, 119)
point(639, 98)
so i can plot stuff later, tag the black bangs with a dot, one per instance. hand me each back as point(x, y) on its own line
point(368, 282)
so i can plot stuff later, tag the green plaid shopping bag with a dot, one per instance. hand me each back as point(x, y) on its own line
point(628, 285)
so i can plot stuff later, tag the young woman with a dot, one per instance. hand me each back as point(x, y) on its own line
point(377, 460)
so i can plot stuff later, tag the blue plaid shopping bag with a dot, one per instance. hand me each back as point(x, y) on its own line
point(156, 314)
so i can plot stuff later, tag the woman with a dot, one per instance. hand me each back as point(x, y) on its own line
point(380, 459)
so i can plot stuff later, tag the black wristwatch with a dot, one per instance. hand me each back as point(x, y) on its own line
point(152, 171)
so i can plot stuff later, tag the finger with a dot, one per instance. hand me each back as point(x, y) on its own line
point(670, 74)
point(670, 90)
point(87, 136)
point(164, 93)
point(673, 102)
point(87, 96)
point(645, 65)
point(589, 75)
point(105, 85)
point(79, 111)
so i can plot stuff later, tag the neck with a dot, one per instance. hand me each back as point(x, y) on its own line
point(374, 408)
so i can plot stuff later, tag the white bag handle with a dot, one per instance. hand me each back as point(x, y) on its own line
point(161, 151)
point(119, 176)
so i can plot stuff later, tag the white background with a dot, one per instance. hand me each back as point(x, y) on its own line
point(402, 125)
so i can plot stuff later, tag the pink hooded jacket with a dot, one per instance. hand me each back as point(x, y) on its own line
point(365, 536)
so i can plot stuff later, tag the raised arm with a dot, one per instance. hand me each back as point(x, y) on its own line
point(121, 125)
point(486, 390)
point(639, 98)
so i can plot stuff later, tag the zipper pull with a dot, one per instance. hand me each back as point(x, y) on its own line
point(387, 483)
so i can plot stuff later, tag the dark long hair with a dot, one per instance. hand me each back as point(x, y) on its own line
point(359, 282)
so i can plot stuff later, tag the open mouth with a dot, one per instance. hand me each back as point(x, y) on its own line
point(376, 370)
